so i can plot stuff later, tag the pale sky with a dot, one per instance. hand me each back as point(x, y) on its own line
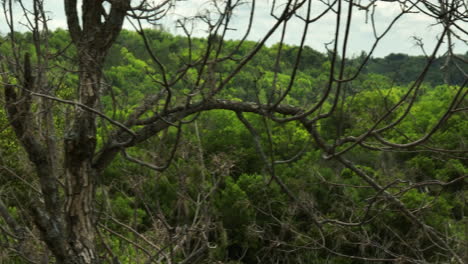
point(398, 40)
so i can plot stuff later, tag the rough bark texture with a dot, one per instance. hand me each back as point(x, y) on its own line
point(67, 223)
point(80, 144)
point(93, 39)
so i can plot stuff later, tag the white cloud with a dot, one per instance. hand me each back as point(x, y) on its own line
point(320, 32)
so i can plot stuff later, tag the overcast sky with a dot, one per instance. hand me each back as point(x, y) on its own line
point(398, 40)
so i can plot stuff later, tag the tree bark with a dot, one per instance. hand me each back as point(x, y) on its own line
point(80, 144)
point(93, 38)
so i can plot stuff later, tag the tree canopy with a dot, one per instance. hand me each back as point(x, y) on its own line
point(141, 146)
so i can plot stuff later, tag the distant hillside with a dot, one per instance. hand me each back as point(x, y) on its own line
point(400, 68)
point(403, 69)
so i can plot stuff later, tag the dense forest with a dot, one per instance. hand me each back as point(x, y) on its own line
point(147, 147)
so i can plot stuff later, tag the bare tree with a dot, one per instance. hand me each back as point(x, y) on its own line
point(65, 213)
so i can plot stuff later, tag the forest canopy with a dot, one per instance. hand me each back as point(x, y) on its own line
point(141, 146)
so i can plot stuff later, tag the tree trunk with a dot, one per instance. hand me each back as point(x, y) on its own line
point(67, 224)
point(79, 214)
point(93, 38)
point(80, 144)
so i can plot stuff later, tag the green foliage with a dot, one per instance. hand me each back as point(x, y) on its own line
point(248, 208)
